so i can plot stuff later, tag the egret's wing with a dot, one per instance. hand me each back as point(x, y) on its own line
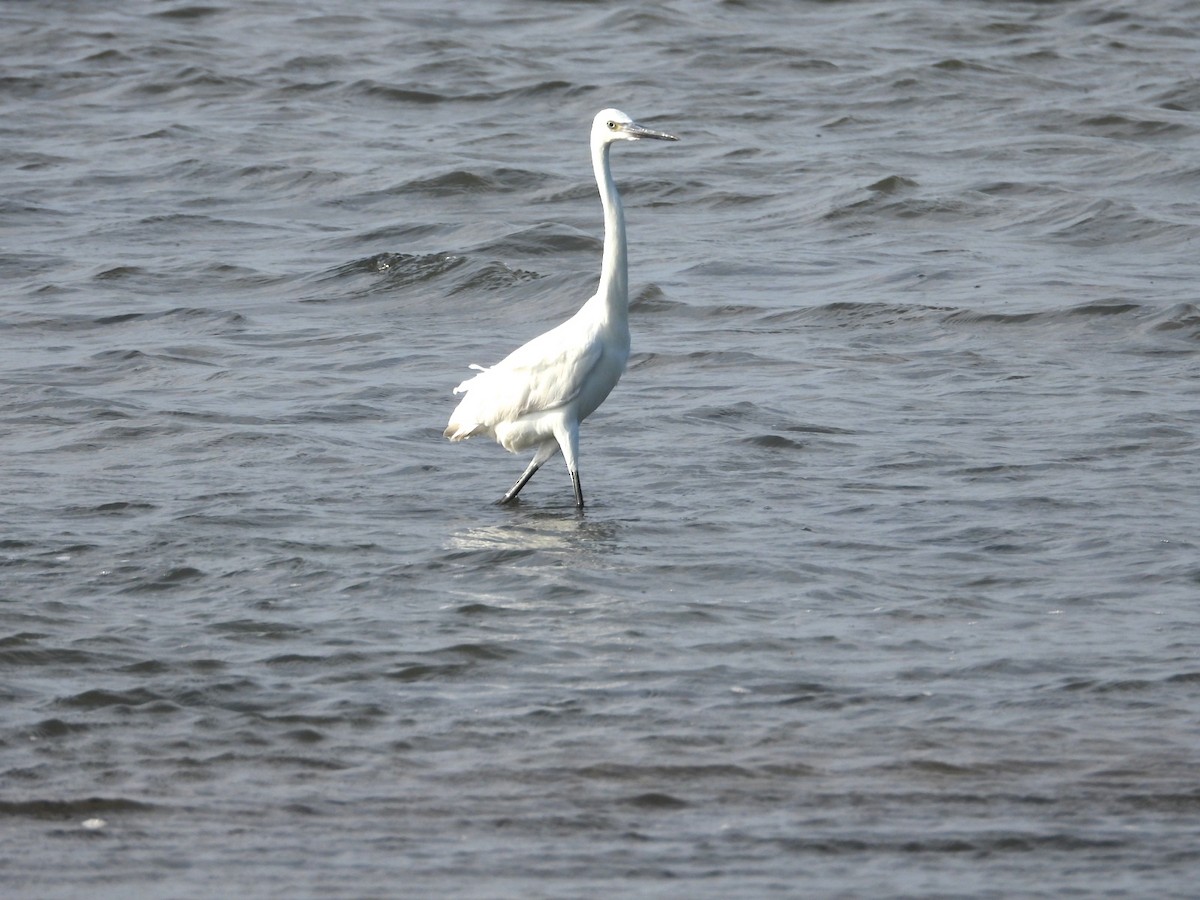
point(551, 369)
point(545, 373)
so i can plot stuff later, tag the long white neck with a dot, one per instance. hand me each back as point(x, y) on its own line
point(613, 292)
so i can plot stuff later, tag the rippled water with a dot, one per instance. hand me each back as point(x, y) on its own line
point(888, 584)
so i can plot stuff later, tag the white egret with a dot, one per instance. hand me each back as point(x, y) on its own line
point(538, 394)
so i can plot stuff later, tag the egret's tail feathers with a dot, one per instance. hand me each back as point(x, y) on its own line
point(466, 385)
point(459, 429)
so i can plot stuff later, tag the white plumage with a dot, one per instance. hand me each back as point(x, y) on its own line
point(538, 394)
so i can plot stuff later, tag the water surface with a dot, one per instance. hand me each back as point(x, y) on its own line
point(888, 583)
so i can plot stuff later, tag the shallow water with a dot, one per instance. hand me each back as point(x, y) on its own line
point(888, 583)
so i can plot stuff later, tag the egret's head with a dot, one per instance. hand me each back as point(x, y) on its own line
point(613, 125)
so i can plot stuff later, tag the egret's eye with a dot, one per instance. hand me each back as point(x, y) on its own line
point(612, 126)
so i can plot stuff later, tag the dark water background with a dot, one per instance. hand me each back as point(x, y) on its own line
point(889, 584)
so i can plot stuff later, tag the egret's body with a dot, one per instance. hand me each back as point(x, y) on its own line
point(537, 396)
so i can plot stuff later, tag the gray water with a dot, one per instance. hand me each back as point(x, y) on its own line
point(888, 585)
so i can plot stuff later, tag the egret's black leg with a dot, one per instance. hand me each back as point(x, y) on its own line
point(567, 435)
point(511, 495)
point(545, 451)
point(578, 489)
